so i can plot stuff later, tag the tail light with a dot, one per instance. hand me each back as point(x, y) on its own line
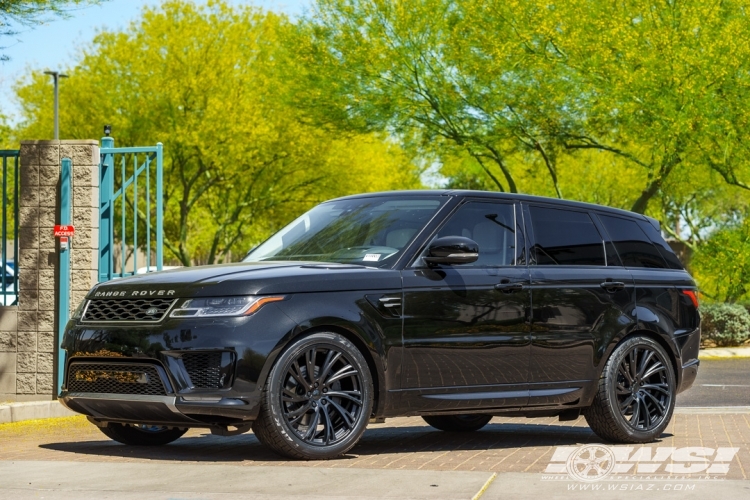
point(692, 296)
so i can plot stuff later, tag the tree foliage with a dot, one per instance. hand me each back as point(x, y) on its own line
point(722, 264)
point(208, 81)
point(524, 86)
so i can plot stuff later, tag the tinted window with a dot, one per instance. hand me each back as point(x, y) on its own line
point(662, 246)
point(634, 247)
point(565, 237)
point(491, 225)
point(368, 231)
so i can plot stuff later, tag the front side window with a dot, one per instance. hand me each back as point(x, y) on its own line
point(367, 231)
point(632, 244)
point(565, 237)
point(491, 225)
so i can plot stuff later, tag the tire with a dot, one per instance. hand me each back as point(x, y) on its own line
point(143, 435)
point(637, 383)
point(337, 397)
point(458, 423)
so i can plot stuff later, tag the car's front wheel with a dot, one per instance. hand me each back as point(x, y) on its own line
point(636, 393)
point(458, 423)
point(142, 435)
point(317, 400)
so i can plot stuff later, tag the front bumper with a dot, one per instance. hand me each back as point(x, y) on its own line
point(191, 373)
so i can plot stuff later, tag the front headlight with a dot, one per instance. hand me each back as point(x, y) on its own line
point(221, 306)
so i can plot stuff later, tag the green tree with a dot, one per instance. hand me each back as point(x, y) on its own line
point(722, 264)
point(208, 81)
point(403, 67)
point(523, 86)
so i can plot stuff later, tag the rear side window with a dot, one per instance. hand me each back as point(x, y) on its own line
point(565, 237)
point(634, 247)
point(662, 246)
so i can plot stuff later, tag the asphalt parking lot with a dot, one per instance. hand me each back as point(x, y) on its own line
point(69, 458)
point(724, 382)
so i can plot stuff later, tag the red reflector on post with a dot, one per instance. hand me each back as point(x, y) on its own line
point(693, 297)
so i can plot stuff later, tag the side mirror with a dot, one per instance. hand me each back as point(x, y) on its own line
point(452, 250)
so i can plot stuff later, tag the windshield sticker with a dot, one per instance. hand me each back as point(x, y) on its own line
point(372, 257)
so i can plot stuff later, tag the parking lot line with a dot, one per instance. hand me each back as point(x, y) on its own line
point(485, 486)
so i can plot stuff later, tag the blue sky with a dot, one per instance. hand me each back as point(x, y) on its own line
point(54, 45)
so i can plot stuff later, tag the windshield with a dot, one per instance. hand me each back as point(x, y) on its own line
point(366, 231)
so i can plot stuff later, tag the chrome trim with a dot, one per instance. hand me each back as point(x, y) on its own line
point(466, 255)
point(85, 308)
point(390, 301)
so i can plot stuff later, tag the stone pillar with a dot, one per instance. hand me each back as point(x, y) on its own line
point(36, 339)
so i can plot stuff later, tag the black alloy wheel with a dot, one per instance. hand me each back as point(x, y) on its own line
point(643, 392)
point(457, 423)
point(142, 435)
point(636, 394)
point(317, 400)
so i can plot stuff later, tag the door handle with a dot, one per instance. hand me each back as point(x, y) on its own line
point(613, 286)
point(509, 287)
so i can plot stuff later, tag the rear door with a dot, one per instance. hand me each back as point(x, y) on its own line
point(579, 303)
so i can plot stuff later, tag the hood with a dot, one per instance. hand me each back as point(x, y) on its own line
point(250, 278)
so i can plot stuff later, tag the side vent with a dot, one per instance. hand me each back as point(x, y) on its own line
point(388, 305)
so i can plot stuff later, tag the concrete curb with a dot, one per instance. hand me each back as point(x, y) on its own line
point(712, 410)
point(724, 353)
point(18, 412)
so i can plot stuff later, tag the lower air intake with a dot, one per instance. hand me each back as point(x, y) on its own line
point(110, 378)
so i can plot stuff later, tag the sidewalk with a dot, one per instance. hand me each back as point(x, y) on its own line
point(68, 458)
point(140, 481)
point(505, 445)
point(32, 410)
point(724, 352)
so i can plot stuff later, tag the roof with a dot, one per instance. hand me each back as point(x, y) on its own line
point(503, 196)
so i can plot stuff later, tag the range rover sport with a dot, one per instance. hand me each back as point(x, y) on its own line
point(455, 306)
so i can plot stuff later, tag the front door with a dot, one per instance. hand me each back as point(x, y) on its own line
point(579, 302)
point(466, 338)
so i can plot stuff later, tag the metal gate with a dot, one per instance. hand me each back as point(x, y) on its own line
point(9, 271)
point(131, 211)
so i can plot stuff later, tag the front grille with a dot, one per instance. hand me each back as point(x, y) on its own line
point(204, 369)
point(115, 378)
point(149, 310)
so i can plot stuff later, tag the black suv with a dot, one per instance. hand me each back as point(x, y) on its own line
point(451, 305)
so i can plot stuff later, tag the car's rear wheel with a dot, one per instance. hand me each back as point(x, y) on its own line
point(458, 423)
point(142, 435)
point(317, 400)
point(636, 393)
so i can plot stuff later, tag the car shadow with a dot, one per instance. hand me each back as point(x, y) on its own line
point(379, 439)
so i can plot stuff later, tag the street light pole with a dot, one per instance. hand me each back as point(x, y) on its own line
point(56, 75)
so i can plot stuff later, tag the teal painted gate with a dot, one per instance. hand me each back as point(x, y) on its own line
point(131, 227)
point(9, 159)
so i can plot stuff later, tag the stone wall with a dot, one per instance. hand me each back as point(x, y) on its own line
point(28, 332)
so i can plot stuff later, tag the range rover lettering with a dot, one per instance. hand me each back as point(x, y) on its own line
point(455, 306)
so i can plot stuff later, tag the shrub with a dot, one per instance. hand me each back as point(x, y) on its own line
point(724, 325)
